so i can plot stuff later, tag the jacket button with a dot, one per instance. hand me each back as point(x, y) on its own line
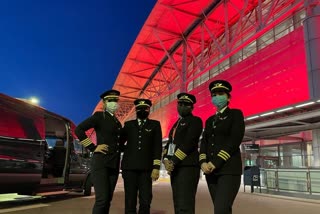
point(139, 141)
point(212, 144)
point(211, 154)
point(139, 148)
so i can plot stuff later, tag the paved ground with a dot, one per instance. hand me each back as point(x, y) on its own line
point(246, 203)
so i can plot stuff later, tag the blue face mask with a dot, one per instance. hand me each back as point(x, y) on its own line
point(219, 101)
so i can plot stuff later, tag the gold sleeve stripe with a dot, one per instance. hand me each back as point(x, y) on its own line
point(223, 157)
point(202, 157)
point(180, 154)
point(222, 154)
point(156, 162)
point(226, 153)
point(86, 142)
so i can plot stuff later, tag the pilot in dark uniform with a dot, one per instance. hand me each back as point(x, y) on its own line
point(220, 156)
point(141, 158)
point(181, 156)
point(106, 158)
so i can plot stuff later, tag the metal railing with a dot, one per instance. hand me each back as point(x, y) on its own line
point(299, 180)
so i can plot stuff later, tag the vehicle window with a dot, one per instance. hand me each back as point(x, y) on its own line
point(20, 125)
point(77, 146)
point(54, 141)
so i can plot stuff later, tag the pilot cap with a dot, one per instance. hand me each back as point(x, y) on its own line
point(186, 98)
point(220, 85)
point(110, 94)
point(142, 102)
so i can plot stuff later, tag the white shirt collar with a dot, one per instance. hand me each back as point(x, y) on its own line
point(222, 110)
point(109, 112)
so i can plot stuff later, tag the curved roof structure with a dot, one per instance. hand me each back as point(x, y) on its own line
point(182, 40)
point(181, 37)
point(157, 58)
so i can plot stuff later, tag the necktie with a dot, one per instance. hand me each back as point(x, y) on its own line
point(216, 118)
point(141, 123)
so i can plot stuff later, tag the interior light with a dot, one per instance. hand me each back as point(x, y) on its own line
point(304, 104)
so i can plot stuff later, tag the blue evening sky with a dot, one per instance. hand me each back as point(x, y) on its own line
point(66, 52)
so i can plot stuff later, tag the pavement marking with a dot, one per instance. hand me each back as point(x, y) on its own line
point(15, 197)
point(23, 208)
point(89, 197)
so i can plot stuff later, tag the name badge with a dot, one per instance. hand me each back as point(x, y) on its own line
point(171, 149)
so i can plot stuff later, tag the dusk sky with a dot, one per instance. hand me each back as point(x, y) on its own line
point(66, 52)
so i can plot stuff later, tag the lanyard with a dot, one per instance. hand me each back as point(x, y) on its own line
point(175, 129)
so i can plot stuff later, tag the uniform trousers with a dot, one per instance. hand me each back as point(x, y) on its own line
point(184, 184)
point(223, 190)
point(137, 182)
point(104, 181)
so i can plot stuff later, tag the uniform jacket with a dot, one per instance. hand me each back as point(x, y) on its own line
point(144, 145)
point(108, 130)
point(221, 141)
point(186, 138)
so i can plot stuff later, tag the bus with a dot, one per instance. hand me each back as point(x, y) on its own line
point(39, 153)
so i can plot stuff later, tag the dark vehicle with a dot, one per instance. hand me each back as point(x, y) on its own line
point(39, 154)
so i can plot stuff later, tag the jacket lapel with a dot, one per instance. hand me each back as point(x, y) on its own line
point(220, 117)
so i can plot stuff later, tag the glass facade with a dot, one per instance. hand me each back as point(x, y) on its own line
point(293, 151)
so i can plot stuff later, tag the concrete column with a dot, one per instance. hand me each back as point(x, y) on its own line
point(312, 43)
point(316, 147)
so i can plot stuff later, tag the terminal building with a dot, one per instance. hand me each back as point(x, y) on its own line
point(268, 50)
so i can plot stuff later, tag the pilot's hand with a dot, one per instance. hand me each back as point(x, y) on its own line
point(168, 164)
point(102, 148)
point(155, 174)
point(205, 167)
point(211, 166)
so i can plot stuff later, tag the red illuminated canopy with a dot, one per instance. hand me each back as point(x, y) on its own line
point(180, 38)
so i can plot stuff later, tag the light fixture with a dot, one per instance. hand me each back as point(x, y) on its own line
point(34, 100)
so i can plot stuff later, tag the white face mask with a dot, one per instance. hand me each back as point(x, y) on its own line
point(112, 106)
